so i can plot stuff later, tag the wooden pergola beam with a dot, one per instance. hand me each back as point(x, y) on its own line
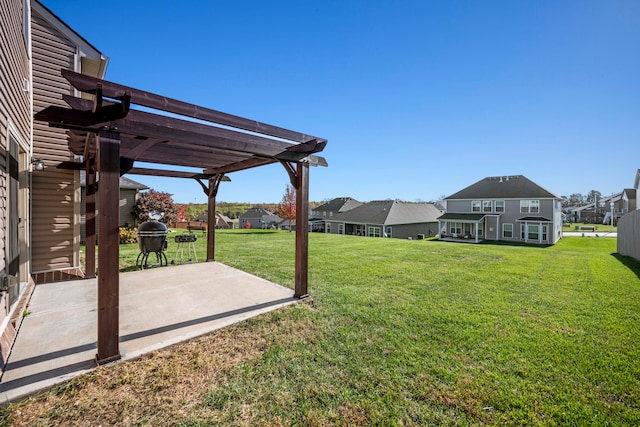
point(89, 84)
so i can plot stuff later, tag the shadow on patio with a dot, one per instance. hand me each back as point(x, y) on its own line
point(158, 307)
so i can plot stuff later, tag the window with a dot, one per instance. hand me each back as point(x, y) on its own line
point(486, 206)
point(533, 232)
point(499, 205)
point(534, 206)
point(507, 231)
point(374, 232)
point(331, 213)
point(529, 206)
point(324, 214)
point(456, 228)
point(475, 206)
point(327, 228)
point(544, 233)
point(480, 229)
point(341, 228)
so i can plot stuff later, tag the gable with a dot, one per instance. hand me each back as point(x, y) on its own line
point(504, 187)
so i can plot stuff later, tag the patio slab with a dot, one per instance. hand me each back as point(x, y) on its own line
point(158, 307)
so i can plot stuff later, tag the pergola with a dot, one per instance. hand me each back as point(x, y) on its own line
point(109, 137)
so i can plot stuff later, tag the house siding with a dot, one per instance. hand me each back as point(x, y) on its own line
point(404, 231)
point(14, 102)
point(629, 235)
point(15, 130)
point(55, 191)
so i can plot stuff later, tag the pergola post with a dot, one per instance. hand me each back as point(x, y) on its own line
point(108, 271)
point(211, 192)
point(90, 219)
point(302, 230)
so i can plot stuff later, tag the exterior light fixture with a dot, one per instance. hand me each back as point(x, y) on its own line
point(37, 164)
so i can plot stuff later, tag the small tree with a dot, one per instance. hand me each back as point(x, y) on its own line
point(155, 201)
point(181, 214)
point(287, 207)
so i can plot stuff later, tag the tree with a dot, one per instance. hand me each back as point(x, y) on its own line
point(287, 207)
point(593, 196)
point(155, 201)
point(576, 199)
point(181, 213)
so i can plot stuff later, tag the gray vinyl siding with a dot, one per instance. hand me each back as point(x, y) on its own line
point(15, 120)
point(55, 192)
point(404, 231)
point(629, 235)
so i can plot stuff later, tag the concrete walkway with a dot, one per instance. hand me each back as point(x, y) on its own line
point(158, 307)
point(590, 233)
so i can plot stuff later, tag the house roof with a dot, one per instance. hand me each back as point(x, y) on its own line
point(125, 183)
point(503, 187)
point(474, 217)
point(534, 218)
point(339, 204)
point(390, 212)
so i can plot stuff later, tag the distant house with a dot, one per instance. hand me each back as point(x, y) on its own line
point(327, 210)
point(222, 221)
point(129, 190)
point(600, 211)
point(334, 207)
point(386, 218)
point(259, 218)
point(629, 224)
point(509, 208)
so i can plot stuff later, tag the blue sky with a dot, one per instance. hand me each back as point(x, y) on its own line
point(418, 99)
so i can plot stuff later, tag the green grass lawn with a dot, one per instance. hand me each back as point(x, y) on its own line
point(602, 228)
point(398, 333)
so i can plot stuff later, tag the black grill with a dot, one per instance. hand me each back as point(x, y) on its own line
point(152, 239)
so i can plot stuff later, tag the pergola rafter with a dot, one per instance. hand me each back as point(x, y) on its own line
point(111, 137)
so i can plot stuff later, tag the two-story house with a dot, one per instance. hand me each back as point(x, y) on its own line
point(333, 207)
point(508, 208)
point(259, 218)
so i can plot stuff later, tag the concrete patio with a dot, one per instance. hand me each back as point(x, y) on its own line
point(158, 307)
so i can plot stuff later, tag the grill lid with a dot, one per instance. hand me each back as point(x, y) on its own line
point(152, 226)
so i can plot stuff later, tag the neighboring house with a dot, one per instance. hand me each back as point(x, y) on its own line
point(387, 218)
point(508, 208)
point(129, 190)
point(599, 212)
point(629, 224)
point(16, 125)
point(629, 200)
point(334, 207)
point(328, 210)
point(56, 192)
point(259, 218)
point(222, 221)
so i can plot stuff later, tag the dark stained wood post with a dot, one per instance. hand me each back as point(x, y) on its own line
point(90, 219)
point(211, 222)
point(212, 192)
point(108, 274)
point(302, 229)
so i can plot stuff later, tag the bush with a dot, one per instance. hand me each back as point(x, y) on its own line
point(128, 235)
